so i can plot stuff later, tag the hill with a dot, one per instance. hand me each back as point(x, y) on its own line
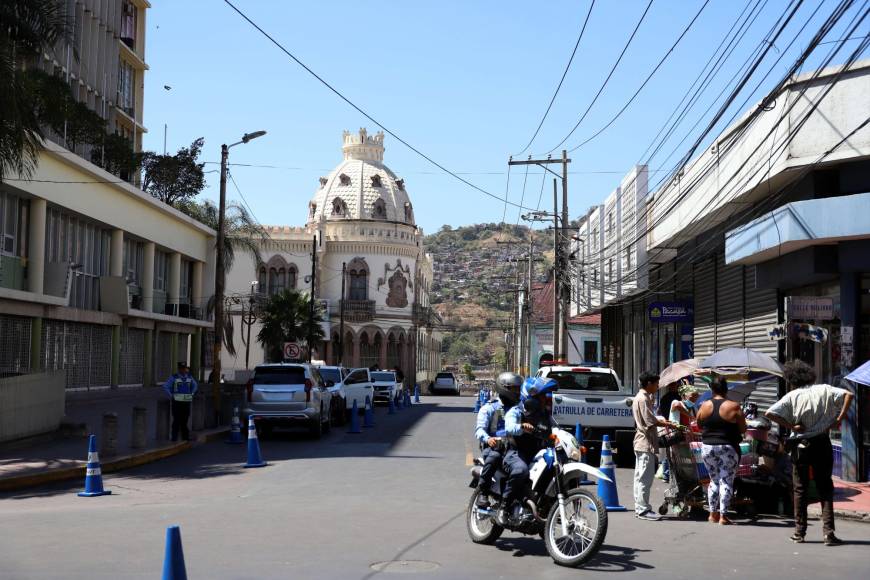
point(474, 284)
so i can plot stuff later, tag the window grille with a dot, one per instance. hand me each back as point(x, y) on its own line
point(84, 351)
point(14, 345)
point(132, 356)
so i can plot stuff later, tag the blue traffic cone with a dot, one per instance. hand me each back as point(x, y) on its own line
point(354, 418)
point(392, 410)
point(173, 557)
point(235, 429)
point(407, 396)
point(578, 435)
point(93, 473)
point(417, 393)
point(607, 489)
point(254, 457)
point(369, 415)
point(400, 401)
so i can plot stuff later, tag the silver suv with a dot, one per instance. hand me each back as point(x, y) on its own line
point(288, 394)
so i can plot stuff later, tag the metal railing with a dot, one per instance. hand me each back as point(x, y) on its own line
point(359, 310)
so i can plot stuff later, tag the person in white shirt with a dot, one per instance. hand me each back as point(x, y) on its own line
point(809, 411)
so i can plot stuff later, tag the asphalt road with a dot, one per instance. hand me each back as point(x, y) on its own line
point(336, 507)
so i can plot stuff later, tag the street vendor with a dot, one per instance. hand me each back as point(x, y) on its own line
point(683, 410)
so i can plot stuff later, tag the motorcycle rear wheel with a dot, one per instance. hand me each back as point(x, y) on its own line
point(481, 529)
point(587, 526)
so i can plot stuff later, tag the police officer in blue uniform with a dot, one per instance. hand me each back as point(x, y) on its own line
point(489, 431)
point(181, 387)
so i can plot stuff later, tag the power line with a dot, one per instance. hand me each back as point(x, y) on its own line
point(606, 80)
point(644, 83)
point(364, 113)
point(564, 73)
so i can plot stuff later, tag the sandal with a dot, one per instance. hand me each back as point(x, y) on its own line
point(724, 521)
point(714, 518)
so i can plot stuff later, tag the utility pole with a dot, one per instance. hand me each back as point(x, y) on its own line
point(341, 316)
point(529, 311)
point(557, 341)
point(219, 284)
point(310, 338)
point(564, 279)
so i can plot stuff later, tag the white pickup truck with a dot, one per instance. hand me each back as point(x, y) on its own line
point(595, 398)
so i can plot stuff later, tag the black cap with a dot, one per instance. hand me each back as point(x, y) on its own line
point(182, 365)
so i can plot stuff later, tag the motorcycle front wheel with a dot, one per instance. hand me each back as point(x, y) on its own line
point(586, 526)
point(482, 529)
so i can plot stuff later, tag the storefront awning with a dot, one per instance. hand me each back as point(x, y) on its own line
point(798, 225)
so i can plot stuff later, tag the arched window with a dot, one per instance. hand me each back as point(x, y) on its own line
point(292, 274)
point(273, 281)
point(358, 279)
point(282, 281)
point(376, 181)
point(379, 210)
point(339, 207)
point(344, 179)
point(262, 287)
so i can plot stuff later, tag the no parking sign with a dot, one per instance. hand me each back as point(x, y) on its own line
point(292, 350)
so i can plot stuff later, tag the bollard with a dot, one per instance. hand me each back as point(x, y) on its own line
point(197, 412)
point(139, 438)
point(162, 420)
point(109, 435)
point(235, 428)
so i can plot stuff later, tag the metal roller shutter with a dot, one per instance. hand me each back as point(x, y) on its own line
point(14, 345)
point(704, 291)
point(132, 356)
point(729, 304)
point(163, 361)
point(84, 351)
point(760, 314)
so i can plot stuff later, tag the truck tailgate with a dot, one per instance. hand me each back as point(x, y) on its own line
point(592, 409)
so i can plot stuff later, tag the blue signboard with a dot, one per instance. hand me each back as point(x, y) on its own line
point(671, 312)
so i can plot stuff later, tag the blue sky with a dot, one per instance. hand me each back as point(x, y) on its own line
point(465, 82)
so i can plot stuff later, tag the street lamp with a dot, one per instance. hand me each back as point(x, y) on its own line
point(219, 274)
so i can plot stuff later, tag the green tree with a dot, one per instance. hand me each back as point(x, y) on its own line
point(468, 372)
point(174, 179)
point(27, 29)
point(285, 318)
point(242, 234)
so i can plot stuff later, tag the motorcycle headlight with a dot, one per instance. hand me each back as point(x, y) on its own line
point(575, 454)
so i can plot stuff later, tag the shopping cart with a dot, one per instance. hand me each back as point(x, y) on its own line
point(688, 475)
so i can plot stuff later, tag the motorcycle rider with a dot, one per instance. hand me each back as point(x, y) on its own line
point(490, 430)
point(523, 442)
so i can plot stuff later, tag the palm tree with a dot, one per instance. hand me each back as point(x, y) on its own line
point(27, 28)
point(284, 318)
point(243, 234)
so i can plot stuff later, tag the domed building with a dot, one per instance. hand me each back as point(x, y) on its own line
point(361, 226)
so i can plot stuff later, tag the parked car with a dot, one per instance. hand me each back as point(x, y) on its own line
point(446, 381)
point(385, 384)
point(334, 377)
point(288, 394)
point(594, 397)
point(358, 385)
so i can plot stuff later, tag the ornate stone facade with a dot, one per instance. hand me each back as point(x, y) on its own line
point(360, 221)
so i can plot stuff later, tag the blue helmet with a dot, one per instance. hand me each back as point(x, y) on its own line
point(534, 386)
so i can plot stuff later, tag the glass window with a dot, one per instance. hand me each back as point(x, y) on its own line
point(333, 375)
point(584, 381)
point(358, 285)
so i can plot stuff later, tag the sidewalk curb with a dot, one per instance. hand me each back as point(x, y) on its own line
point(851, 515)
point(117, 464)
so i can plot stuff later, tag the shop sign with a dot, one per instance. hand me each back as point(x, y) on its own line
point(776, 332)
point(810, 332)
point(810, 308)
point(671, 312)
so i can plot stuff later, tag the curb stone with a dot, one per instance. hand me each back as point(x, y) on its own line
point(36, 479)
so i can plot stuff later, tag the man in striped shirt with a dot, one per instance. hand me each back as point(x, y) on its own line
point(809, 411)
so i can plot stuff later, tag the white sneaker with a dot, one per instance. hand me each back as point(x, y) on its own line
point(648, 515)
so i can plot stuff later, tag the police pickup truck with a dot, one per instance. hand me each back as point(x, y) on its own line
point(595, 398)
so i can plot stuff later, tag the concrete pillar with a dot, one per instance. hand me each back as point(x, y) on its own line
point(174, 289)
point(139, 436)
point(116, 254)
point(850, 313)
point(36, 246)
point(148, 374)
point(173, 351)
point(198, 299)
point(383, 353)
point(35, 344)
point(195, 361)
point(148, 278)
point(109, 435)
point(116, 356)
point(356, 348)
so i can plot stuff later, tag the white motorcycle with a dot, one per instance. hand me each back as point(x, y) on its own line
point(571, 519)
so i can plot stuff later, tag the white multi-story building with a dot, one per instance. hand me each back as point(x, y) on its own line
point(97, 278)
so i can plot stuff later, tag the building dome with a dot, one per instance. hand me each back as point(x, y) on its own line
point(361, 187)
